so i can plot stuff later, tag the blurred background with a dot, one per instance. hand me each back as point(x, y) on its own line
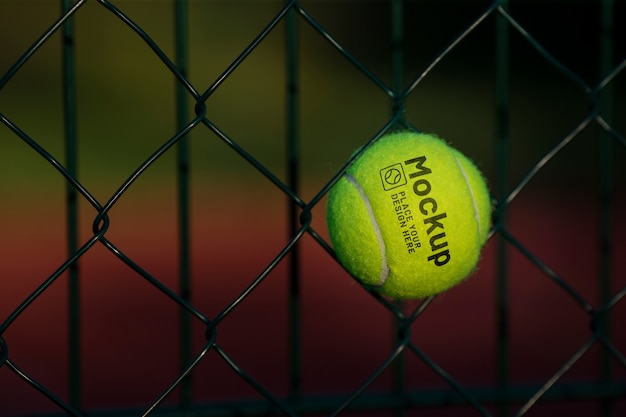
point(126, 109)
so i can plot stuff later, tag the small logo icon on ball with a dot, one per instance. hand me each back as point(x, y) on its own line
point(392, 177)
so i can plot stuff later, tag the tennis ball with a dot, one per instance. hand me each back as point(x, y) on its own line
point(410, 216)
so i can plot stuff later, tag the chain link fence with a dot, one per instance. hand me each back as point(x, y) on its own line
point(164, 170)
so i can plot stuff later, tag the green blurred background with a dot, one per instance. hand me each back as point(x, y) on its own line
point(126, 96)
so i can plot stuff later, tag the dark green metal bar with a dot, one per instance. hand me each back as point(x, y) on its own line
point(183, 164)
point(606, 192)
point(397, 59)
point(293, 182)
point(368, 404)
point(71, 197)
point(502, 136)
point(398, 107)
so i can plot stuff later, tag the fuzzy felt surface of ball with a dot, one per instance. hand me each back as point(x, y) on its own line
point(410, 216)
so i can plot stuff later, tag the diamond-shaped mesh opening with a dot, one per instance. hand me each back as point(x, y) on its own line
point(165, 166)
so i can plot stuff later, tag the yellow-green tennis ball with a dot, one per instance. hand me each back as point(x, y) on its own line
point(410, 216)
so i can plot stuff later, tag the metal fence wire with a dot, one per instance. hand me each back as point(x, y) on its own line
point(165, 167)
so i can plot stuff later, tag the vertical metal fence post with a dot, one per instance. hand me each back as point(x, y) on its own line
point(397, 55)
point(606, 191)
point(71, 196)
point(502, 178)
point(293, 180)
point(182, 113)
point(397, 85)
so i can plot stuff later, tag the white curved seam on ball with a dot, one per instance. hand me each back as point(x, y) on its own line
point(384, 268)
point(471, 191)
